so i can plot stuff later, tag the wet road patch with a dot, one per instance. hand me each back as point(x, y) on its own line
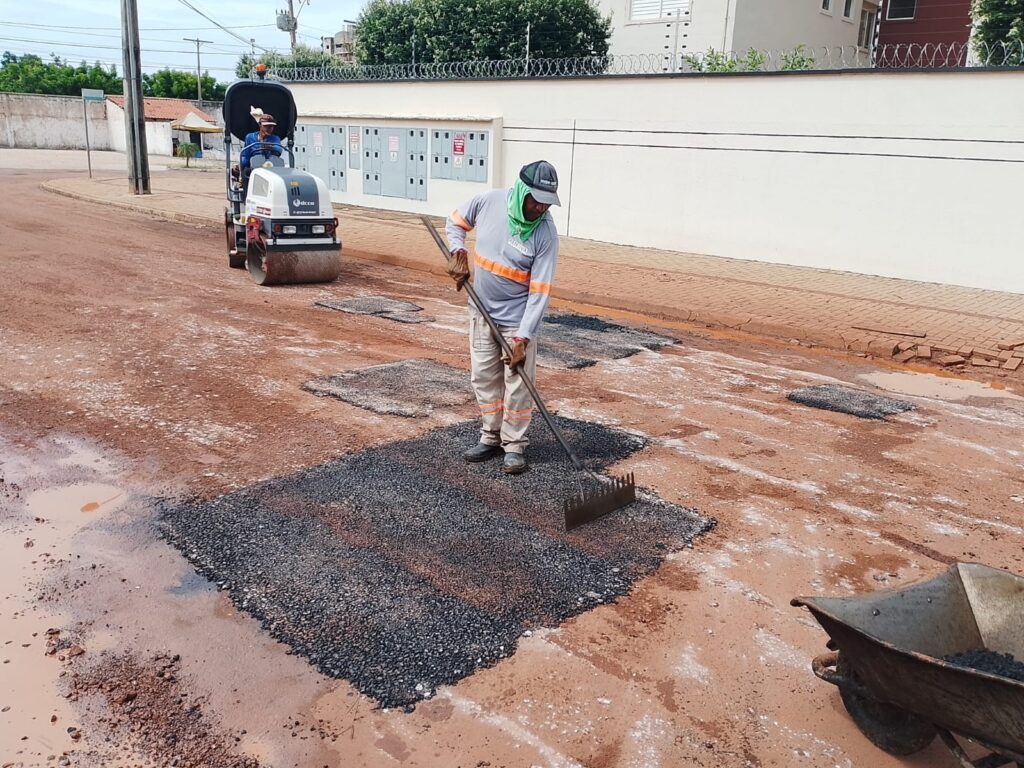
point(379, 306)
point(580, 341)
point(831, 397)
point(402, 568)
point(406, 388)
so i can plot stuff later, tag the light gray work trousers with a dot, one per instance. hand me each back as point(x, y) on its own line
point(506, 407)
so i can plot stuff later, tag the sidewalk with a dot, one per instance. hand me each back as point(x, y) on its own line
point(907, 321)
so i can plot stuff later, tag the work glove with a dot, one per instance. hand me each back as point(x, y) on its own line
point(518, 357)
point(458, 267)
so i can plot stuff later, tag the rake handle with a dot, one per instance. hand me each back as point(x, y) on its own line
point(507, 350)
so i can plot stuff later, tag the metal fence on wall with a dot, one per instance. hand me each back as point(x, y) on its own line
point(800, 59)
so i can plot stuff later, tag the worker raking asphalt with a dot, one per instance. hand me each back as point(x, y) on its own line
point(401, 568)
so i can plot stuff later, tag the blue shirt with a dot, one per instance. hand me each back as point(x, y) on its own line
point(253, 146)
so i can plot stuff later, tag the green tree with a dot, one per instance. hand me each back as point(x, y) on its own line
point(30, 74)
point(175, 84)
point(999, 31)
point(187, 150)
point(451, 30)
point(302, 57)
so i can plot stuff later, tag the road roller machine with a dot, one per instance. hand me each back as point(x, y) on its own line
point(279, 222)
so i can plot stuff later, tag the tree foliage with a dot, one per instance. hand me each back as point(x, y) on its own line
point(175, 84)
point(302, 57)
point(30, 74)
point(999, 23)
point(188, 151)
point(453, 30)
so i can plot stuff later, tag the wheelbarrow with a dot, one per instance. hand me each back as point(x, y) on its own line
point(888, 650)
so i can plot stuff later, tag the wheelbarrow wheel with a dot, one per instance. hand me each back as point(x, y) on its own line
point(890, 728)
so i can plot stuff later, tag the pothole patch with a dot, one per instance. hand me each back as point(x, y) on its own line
point(402, 568)
point(406, 388)
point(832, 397)
point(579, 341)
point(379, 306)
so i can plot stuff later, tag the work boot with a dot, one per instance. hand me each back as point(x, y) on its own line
point(481, 452)
point(514, 464)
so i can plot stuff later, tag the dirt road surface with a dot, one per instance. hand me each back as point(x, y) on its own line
point(136, 366)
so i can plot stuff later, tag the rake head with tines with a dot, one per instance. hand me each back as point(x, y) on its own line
point(612, 493)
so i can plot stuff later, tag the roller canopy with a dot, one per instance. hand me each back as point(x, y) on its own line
point(243, 95)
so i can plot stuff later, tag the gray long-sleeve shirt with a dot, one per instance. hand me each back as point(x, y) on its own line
point(512, 278)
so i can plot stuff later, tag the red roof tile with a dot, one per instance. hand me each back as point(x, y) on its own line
point(165, 109)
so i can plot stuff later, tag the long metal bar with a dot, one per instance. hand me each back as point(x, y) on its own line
point(507, 350)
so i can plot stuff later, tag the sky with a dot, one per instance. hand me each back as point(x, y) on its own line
point(91, 30)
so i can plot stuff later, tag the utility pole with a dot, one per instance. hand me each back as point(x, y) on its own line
point(527, 48)
point(293, 26)
point(199, 71)
point(134, 106)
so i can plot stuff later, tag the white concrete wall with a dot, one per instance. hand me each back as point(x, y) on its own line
point(50, 122)
point(734, 25)
point(705, 25)
point(781, 25)
point(158, 134)
point(911, 175)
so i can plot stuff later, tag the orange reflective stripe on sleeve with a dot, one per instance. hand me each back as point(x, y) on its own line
point(538, 287)
point(516, 275)
point(460, 222)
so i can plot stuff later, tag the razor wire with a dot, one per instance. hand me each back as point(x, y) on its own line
point(896, 56)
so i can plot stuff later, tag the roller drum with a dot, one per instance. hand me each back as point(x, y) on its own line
point(282, 267)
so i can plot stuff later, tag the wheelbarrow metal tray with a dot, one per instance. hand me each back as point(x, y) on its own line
point(895, 641)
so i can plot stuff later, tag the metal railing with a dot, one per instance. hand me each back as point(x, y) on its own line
point(801, 58)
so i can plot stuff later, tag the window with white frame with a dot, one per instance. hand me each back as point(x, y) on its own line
point(866, 35)
point(826, 6)
point(654, 10)
point(901, 9)
point(848, 9)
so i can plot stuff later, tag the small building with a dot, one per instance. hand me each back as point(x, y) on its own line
point(160, 115)
point(677, 28)
point(341, 45)
point(925, 23)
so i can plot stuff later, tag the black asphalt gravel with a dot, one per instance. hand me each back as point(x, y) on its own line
point(831, 397)
point(406, 388)
point(580, 341)
point(994, 663)
point(402, 568)
point(379, 306)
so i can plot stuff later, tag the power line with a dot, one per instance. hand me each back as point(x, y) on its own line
point(107, 47)
point(235, 35)
point(114, 62)
point(115, 29)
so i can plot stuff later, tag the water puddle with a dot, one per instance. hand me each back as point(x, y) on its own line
point(935, 387)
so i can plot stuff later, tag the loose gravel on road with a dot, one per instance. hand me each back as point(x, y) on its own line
point(579, 341)
point(406, 388)
point(402, 568)
point(864, 405)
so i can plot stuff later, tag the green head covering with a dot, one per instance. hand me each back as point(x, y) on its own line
point(517, 223)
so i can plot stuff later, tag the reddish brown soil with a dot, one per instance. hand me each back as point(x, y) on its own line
point(136, 363)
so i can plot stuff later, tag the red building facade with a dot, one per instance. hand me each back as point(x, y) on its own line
point(924, 22)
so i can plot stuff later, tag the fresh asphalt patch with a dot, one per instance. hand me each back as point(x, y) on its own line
point(402, 568)
point(580, 341)
point(379, 306)
point(406, 388)
point(831, 397)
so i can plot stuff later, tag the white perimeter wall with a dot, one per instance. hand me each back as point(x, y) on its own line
point(158, 134)
point(50, 122)
point(910, 175)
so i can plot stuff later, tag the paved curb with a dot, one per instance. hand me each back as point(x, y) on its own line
point(181, 218)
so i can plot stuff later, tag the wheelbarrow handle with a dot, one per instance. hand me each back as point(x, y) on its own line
point(826, 667)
